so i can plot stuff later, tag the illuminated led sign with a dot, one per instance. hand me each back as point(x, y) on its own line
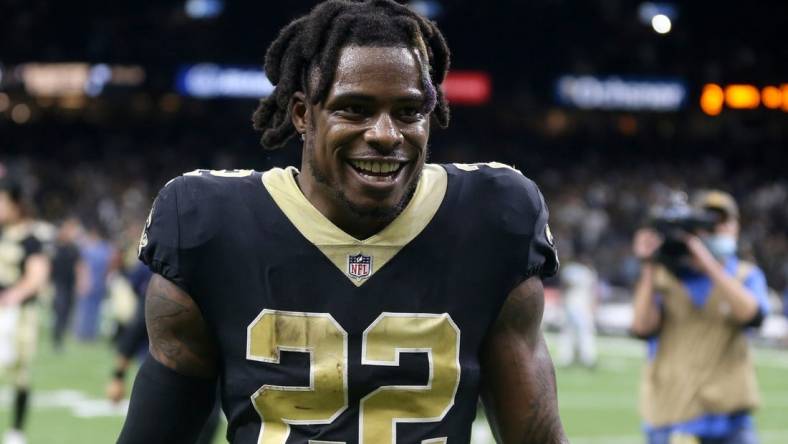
point(467, 87)
point(714, 98)
point(208, 81)
point(76, 79)
point(621, 93)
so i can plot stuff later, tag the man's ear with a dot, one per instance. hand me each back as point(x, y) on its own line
point(299, 107)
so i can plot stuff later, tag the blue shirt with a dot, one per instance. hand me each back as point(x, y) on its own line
point(699, 286)
point(97, 255)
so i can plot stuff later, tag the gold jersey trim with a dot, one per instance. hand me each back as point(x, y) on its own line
point(337, 245)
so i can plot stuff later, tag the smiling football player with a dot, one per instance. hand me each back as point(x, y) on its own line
point(365, 297)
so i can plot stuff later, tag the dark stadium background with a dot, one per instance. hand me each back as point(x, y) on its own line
point(104, 157)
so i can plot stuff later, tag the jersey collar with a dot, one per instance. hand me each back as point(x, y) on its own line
point(357, 259)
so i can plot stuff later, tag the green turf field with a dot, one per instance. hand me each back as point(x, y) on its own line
point(597, 407)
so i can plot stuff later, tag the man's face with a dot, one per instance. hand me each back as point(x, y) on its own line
point(367, 142)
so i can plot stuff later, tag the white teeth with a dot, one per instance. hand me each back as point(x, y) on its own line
point(375, 167)
point(388, 167)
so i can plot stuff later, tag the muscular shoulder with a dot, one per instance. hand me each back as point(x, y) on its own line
point(202, 193)
point(502, 191)
point(191, 208)
point(213, 187)
point(511, 210)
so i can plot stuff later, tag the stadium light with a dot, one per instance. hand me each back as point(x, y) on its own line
point(98, 76)
point(20, 114)
point(204, 9)
point(428, 8)
point(742, 96)
point(784, 88)
point(712, 99)
point(661, 24)
point(658, 15)
point(772, 97)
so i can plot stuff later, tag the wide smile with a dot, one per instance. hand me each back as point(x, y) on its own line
point(377, 172)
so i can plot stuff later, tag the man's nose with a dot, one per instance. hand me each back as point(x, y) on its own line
point(384, 135)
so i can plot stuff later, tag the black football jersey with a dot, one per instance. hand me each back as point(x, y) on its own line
point(17, 244)
point(325, 338)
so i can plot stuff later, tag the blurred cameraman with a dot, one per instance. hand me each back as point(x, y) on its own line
point(699, 383)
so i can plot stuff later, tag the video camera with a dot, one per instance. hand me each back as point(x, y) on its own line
point(674, 221)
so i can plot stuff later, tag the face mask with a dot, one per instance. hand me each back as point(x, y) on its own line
point(721, 245)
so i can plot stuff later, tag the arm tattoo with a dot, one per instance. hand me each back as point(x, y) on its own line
point(522, 311)
point(179, 338)
point(519, 378)
point(542, 423)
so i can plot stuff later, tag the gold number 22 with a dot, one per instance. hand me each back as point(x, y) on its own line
point(326, 397)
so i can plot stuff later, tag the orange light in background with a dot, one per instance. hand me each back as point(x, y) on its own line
point(784, 88)
point(742, 96)
point(771, 97)
point(711, 99)
point(20, 114)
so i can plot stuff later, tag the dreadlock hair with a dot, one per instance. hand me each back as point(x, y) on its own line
point(312, 44)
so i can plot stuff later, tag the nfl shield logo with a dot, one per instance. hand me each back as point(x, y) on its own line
point(359, 266)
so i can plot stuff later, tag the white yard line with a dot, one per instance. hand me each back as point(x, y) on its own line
point(78, 403)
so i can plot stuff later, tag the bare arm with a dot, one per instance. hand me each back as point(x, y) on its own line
point(519, 390)
point(36, 273)
point(744, 305)
point(647, 316)
point(178, 336)
point(174, 391)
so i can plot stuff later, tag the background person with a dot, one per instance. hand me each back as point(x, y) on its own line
point(97, 253)
point(69, 277)
point(699, 382)
point(24, 270)
point(579, 293)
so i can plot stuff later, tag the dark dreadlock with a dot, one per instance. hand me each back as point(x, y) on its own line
point(314, 41)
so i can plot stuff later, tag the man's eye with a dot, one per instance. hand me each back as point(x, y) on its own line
point(412, 114)
point(352, 110)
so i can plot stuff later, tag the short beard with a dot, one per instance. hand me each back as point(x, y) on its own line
point(379, 214)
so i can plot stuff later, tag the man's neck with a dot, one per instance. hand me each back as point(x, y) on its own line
point(325, 200)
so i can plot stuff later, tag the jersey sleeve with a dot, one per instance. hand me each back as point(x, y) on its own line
point(523, 213)
point(539, 256)
point(159, 247)
point(32, 246)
